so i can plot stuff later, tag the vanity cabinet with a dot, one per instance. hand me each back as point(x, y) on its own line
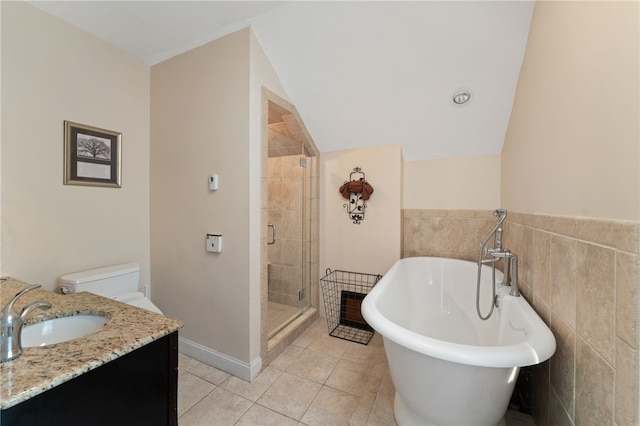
point(136, 389)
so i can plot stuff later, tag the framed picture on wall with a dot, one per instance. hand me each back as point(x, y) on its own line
point(91, 156)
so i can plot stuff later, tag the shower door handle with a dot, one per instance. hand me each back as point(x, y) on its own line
point(273, 234)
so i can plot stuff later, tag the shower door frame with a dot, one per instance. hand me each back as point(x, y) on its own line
point(271, 348)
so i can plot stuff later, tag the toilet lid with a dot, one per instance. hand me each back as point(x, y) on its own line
point(137, 299)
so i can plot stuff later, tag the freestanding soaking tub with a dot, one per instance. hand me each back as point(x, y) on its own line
point(448, 366)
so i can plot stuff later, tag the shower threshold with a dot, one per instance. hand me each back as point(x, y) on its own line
point(286, 329)
point(279, 316)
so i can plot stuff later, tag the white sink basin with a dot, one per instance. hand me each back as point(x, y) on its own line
point(59, 330)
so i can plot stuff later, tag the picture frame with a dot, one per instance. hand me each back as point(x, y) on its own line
point(92, 156)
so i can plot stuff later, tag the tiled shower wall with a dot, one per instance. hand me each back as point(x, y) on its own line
point(271, 348)
point(286, 183)
point(581, 276)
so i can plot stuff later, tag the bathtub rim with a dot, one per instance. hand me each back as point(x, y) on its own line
point(539, 345)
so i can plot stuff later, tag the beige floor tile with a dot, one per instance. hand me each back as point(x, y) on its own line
point(314, 366)
point(185, 363)
point(252, 390)
point(259, 415)
point(358, 390)
point(320, 324)
point(315, 330)
point(191, 389)
point(376, 340)
point(220, 407)
point(370, 354)
point(330, 407)
point(380, 370)
point(209, 373)
point(287, 357)
point(376, 422)
point(330, 345)
point(354, 378)
point(360, 416)
point(290, 395)
point(382, 409)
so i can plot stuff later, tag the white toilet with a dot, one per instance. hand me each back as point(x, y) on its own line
point(118, 282)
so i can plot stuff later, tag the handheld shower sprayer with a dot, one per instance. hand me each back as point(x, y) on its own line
point(495, 254)
point(502, 215)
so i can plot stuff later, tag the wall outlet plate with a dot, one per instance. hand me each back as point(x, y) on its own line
point(214, 243)
point(213, 182)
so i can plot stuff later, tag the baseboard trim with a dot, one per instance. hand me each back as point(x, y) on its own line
point(219, 360)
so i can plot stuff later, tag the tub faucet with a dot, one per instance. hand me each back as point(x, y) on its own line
point(11, 323)
point(510, 272)
point(497, 253)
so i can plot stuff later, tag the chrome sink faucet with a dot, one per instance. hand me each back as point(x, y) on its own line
point(11, 323)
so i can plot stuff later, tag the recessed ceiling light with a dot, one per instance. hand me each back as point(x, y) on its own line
point(461, 97)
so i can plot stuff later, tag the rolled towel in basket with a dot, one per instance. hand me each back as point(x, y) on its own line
point(356, 187)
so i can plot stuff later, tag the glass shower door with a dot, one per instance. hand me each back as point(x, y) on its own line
point(288, 249)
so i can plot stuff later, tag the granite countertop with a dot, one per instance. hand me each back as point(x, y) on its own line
point(41, 368)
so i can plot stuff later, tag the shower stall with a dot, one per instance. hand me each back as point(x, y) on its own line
point(290, 227)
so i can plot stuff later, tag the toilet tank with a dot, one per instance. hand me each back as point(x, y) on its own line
point(109, 281)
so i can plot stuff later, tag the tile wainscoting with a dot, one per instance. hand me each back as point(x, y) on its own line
point(581, 276)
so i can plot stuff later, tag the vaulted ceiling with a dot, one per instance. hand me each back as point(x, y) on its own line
point(360, 73)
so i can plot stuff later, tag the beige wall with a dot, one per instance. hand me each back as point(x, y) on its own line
point(205, 118)
point(1, 116)
point(53, 72)
point(572, 151)
point(572, 146)
point(373, 245)
point(200, 125)
point(452, 183)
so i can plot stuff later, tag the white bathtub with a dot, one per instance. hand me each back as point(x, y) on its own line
point(448, 366)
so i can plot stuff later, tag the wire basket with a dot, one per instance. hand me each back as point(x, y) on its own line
point(343, 292)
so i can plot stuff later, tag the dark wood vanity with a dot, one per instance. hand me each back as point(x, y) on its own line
point(125, 374)
point(137, 389)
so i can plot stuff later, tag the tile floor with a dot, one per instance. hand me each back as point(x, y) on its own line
point(318, 380)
